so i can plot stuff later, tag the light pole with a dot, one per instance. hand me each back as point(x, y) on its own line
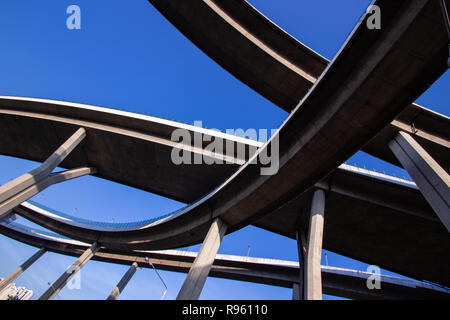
point(151, 264)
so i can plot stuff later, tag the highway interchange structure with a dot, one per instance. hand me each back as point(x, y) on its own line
point(336, 109)
point(336, 281)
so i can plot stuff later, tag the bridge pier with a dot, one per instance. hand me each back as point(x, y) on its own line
point(26, 186)
point(59, 284)
point(22, 268)
point(310, 252)
point(195, 280)
point(299, 288)
point(433, 181)
point(313, 283)
point(296, 291)
point(123, 282)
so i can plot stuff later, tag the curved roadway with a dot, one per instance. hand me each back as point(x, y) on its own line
point(280, 68)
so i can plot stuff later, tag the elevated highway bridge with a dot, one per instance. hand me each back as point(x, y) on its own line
point(336, 109)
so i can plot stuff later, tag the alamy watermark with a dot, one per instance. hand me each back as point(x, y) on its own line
point(198, 147)
point(374, 20)
point(73, 22)
point(374, 280)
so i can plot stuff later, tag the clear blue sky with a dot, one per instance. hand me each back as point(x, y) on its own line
point(128, 57)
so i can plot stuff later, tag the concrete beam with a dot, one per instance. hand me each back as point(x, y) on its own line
point(313, 278)
point(19, 184)
point(195, 280)
point(70, 272)
point(123, 282)
point(22, 268)
point(433, 181)
point(14, 201)
point(5, 216)
point(24, 187)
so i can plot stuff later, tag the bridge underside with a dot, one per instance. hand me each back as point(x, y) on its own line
point(402, 228)
point(336, 281)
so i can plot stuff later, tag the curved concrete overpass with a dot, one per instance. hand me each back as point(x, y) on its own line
point(273, 63)
point(248, 45)
point(253, 48)
point(124, 147)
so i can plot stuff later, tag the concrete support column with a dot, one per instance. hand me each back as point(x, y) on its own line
point(309, 286)
point(123, 282)
point(313, 283)
point(193, 284)
point(6, 216)
point(37, 178)
point(299, 288)
point(7, 206)
point(433, 181)
point(59, 284)
point(14, 186)
point(21, 269)
point(296, 295)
